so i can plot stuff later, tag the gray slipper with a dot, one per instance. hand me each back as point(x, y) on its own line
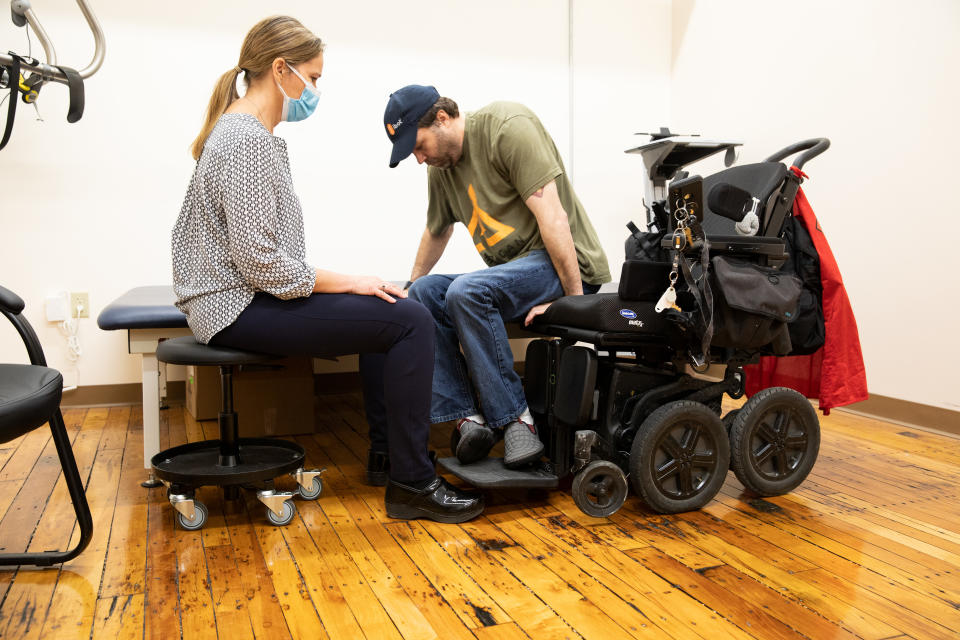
point(521, 445)
point(475, 442)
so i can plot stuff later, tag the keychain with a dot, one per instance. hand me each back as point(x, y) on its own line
point(669, 298)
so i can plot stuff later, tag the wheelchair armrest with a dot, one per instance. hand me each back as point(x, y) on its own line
point(11, 305)
point(9, 301)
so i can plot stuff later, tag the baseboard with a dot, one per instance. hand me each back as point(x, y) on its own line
point(911, 414)
point(98, 395)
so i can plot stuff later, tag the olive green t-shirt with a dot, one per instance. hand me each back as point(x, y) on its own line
point(507, 157)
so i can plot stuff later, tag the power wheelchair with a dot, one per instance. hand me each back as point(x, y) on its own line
point(618, 387)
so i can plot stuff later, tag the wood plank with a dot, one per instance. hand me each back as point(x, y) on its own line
point(293, 596)
point(162, 602)
point(115, 428)
point(564, 588)
point(409, 620)
point(263, 605)
point(323, 587)
point(917, 597)
point(119, 618)
point(230, 603)
point(125, 570)
point(529, 612)
point(752, 561)
point(74, 603)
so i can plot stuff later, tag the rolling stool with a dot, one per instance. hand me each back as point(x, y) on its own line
point(230, 462)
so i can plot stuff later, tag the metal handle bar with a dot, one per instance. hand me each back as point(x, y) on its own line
point(48, 71)
point(816, 146)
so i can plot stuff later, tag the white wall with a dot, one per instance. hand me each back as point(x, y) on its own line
point(879, 79)
point(90, 205)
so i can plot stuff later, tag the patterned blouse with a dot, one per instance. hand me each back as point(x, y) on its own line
point(240, 229)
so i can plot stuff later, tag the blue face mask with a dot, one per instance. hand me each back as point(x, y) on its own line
point(302, 107)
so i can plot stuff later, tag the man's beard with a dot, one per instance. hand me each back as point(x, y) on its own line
point(448, 153)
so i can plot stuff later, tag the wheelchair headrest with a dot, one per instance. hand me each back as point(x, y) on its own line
point(761, 180)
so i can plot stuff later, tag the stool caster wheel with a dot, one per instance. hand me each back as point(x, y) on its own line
point(309, 484)
point(313, 492)
point(191, 514)
point(280, 507)
point(288, 511)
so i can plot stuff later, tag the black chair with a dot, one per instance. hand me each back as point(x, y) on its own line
point(29, 397)
point(230, 462)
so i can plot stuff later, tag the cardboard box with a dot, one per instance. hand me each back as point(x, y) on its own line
point(271, 399)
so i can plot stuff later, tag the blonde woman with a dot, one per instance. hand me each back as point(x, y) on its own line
point(241, 275)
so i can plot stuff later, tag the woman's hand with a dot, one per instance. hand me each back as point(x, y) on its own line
point(374, 286)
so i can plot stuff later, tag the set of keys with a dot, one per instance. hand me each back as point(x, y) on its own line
point(669, 298)
point(688, 234)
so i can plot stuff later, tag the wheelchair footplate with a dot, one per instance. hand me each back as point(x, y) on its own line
point(490, 473)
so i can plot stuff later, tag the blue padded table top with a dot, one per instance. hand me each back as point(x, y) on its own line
point(152, 308)
point(143, 308)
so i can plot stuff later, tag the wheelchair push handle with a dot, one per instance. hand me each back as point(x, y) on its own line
point(813, 148)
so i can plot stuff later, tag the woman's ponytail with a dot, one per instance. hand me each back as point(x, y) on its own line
point(223, 94)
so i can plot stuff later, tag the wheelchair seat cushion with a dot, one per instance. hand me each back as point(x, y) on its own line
point(29, 395)
point(607, 312)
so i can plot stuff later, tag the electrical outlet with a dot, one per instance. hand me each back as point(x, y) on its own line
point(80, 301)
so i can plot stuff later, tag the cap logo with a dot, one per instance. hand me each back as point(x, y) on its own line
point(390, 129)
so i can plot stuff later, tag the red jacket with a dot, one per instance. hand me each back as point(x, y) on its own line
point(834, 373)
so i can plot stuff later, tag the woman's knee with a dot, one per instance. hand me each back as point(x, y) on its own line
point(414, 315)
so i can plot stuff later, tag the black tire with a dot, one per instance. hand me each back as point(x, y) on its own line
point(727, 421)
point(774, 441)
point(600, 489)
point(316, 488)
point(679, 457)
point(199, 517)
point(289, 510)
point(715, 405)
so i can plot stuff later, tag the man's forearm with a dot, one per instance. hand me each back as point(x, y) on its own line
point(430, 250)
point(563, 254)
point(555, 231)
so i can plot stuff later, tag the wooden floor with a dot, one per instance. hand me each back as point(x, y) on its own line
point(868, 546)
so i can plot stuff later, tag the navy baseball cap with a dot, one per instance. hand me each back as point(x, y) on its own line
point(404, 110)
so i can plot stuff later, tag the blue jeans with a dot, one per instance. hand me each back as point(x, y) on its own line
point(469, 311)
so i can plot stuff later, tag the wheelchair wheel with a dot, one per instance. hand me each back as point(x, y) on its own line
point(727, 421)
point(680, 457)
point(774, 441)
point(600, 489)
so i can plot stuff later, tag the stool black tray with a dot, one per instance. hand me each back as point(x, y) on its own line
point(197, 463)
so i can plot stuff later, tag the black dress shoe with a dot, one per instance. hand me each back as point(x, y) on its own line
point(439, 501)
point(378, 466)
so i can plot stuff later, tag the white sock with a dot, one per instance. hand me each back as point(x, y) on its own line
point(477, 418)
point(526, 417)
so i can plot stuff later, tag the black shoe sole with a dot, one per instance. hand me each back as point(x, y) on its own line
point(405, 512)
point(475, 446)
point(532, 457)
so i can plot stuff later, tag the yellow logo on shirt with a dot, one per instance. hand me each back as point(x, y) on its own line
point(491, 230)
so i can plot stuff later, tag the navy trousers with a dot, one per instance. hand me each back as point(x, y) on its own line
point(396, 347)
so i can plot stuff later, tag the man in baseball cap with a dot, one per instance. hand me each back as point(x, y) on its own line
point(402, 115)
point(497, 171)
